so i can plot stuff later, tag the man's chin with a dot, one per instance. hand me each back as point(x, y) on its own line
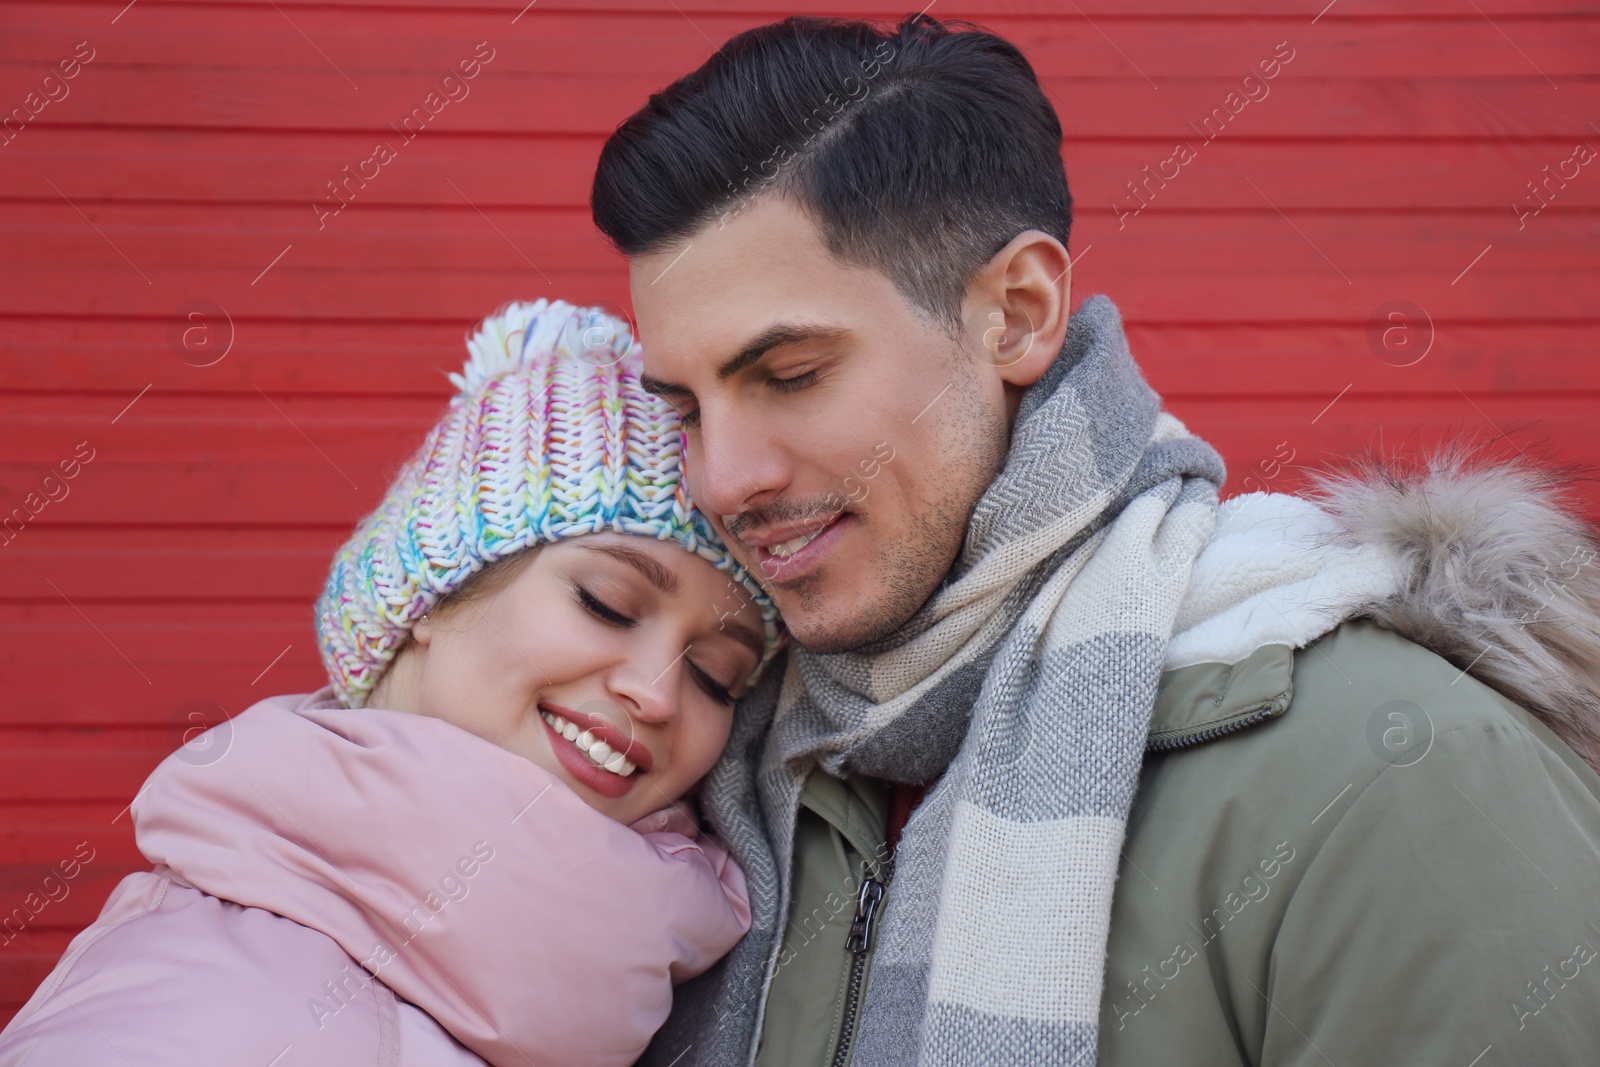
point(827, 623)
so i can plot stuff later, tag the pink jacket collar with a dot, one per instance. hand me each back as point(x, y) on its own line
point(471, 881)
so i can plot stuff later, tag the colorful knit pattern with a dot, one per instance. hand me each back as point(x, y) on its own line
point(550, 437)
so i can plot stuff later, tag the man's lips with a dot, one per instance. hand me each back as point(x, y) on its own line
point(777, 535)
point(804, 560)
point(602, 729)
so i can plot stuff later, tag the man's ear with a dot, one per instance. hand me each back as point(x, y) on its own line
point(1018, 305)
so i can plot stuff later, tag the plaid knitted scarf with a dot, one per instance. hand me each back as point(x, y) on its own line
point(1028, 681)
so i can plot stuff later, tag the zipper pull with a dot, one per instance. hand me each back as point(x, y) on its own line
point(867, 902)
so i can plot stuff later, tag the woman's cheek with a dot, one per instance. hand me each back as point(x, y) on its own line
point(718, 728)
point(702, 737)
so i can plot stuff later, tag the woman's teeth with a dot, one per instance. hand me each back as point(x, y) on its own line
point(793, 545)
point(599, 753)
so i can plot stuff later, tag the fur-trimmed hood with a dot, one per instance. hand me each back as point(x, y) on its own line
point(1498, 575)
point(1483, 563)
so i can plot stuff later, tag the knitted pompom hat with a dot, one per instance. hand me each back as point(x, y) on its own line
point(550, 437)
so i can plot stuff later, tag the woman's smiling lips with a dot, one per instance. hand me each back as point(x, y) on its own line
point(624, 751)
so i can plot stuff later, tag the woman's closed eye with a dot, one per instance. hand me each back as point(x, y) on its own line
point(722, 694)
point(716, 690)
point(601, 610)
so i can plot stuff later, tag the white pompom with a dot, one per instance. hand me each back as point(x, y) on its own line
point(501, 340)
point(518, 333)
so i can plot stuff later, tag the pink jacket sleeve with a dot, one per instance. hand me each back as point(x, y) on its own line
point(672, 832)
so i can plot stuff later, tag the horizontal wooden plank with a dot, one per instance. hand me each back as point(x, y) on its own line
point(84, 898)
point(1051, 9)
point(163, 239)
point(508, 102)
point(35, 849)
point(138, 565)
point(108, 562)
point(171, 564)
point(445, 237)
point(47, 774)
point(25, 964)
point(160, 668)
point(234, 484)
point(102, 853)
point(662, 43)
point(239, 458)
point(241, 428)
point(99, 692)
point(252, 494)
point(107, 362)
point(249, 169)
point(257, 167)
point(76, 739)
point(355, 291)
point(1500, 359)
point(1292, 282)
point(1259, 266)
point(1327, 430)
point(1324, 424)
point(223, 634)
point(187, 492)
point(116, 369)
point(94, 853)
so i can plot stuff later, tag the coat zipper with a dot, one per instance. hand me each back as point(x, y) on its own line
point(869, 902)
point(1167, 744)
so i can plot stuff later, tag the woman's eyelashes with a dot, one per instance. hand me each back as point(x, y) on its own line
point(609, 615)
point(717, 691)
point(602, 611)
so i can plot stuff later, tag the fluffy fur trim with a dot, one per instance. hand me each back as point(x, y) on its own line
point(1501, 576)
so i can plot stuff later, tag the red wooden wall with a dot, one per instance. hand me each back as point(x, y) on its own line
point(175, 174)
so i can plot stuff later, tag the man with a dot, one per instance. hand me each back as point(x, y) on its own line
point(1187, 786)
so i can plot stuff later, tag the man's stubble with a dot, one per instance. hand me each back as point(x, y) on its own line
point(973, 439)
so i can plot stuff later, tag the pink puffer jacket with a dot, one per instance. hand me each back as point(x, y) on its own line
point(337, 887)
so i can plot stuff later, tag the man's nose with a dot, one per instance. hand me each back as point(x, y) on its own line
point(734, 464)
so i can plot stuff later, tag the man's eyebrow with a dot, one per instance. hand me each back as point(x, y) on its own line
point(778, 335)
point(657, 387)
point(652, 571)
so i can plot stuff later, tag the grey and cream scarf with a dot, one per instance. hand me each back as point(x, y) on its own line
point(1027, 681)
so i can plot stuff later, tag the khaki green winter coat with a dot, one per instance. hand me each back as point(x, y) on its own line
point(1349, 855)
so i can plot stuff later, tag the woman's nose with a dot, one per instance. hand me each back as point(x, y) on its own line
point(648, 686)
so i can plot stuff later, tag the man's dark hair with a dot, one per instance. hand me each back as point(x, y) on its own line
point(919, 150)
